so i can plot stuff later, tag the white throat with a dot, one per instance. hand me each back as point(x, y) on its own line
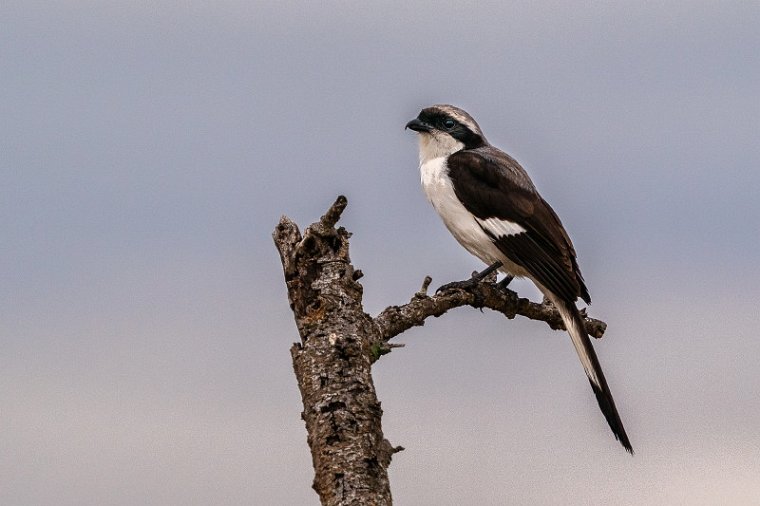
point(436, 145)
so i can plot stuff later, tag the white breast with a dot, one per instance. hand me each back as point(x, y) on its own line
point(460, 222)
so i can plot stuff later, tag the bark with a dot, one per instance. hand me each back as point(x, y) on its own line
point(339, 342)
point(333, 363)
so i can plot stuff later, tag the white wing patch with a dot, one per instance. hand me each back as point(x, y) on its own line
point(500, 228)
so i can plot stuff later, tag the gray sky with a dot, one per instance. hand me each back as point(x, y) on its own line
point(147, 151)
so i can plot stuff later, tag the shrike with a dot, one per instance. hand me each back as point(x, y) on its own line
point(490, 205)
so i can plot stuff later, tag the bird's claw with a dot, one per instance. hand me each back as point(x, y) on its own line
point(458, 285)
point(476, 278)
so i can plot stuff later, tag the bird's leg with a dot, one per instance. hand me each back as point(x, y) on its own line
point(486, 272)
point(474, 280)
point(504, 283)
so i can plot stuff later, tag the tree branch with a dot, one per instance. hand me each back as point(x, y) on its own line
point(485, 294)
point(332, 363)
point(339, 342)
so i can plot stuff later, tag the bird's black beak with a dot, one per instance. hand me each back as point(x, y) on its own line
point(418, 126)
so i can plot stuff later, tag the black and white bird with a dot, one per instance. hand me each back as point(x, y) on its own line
point(490, 205)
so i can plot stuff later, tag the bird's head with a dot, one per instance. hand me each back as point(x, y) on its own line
point(444, 130)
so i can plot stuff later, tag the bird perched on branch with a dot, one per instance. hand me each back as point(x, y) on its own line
point(490, 205)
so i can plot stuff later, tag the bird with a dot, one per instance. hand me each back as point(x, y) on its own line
point(492, 208)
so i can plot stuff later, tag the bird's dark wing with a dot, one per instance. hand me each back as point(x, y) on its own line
point(491, 184)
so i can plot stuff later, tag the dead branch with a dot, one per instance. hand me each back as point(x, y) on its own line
point(339, 342)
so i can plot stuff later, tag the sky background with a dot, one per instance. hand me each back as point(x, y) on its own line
point(147, 150)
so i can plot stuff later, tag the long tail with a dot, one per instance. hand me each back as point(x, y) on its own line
point(582, 343)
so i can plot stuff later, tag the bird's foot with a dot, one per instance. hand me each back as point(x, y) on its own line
point(474, 280)
point(458, 285)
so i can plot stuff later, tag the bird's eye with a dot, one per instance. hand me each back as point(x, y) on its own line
point(449, 123)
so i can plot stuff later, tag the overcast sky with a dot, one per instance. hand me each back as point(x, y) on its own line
point(147, 152)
